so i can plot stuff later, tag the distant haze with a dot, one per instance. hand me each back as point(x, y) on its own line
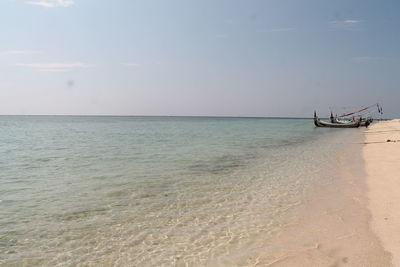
point(187, 57)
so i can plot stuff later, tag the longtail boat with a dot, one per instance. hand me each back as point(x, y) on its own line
point(365, 111)
point(319, 123)
point(363, 121)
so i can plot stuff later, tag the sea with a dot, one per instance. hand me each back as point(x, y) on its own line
point(156, 191)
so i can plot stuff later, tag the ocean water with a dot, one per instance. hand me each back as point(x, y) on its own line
point(154, 191)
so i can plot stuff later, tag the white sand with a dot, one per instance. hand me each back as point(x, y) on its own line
point(382, 160)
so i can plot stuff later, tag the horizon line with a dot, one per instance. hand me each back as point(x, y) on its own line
point(189, 116)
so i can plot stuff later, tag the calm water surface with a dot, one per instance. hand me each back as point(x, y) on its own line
point(153, 191)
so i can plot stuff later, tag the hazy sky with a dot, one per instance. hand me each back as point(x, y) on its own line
point(198, 57)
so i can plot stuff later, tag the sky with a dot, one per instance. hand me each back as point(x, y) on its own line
point(198, 58)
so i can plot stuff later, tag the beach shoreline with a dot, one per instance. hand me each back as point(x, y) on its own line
point(382, 156)
point(333, 227)
point(298, 201)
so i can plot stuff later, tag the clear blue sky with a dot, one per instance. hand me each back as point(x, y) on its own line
point(191, 57)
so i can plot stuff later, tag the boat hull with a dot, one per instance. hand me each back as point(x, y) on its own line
point(364, 122)
point(319, 123)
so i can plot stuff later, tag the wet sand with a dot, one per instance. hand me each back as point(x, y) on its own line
point(383, 179)
point(333, 227)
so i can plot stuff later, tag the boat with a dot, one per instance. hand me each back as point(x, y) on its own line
point(363, 121)
point(319, 123)
point(350, 119)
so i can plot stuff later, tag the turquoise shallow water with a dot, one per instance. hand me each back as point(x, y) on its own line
point(151, 191)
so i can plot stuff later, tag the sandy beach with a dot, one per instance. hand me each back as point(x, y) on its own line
point(356, 221)
point(333, 228)
point(382, 156)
